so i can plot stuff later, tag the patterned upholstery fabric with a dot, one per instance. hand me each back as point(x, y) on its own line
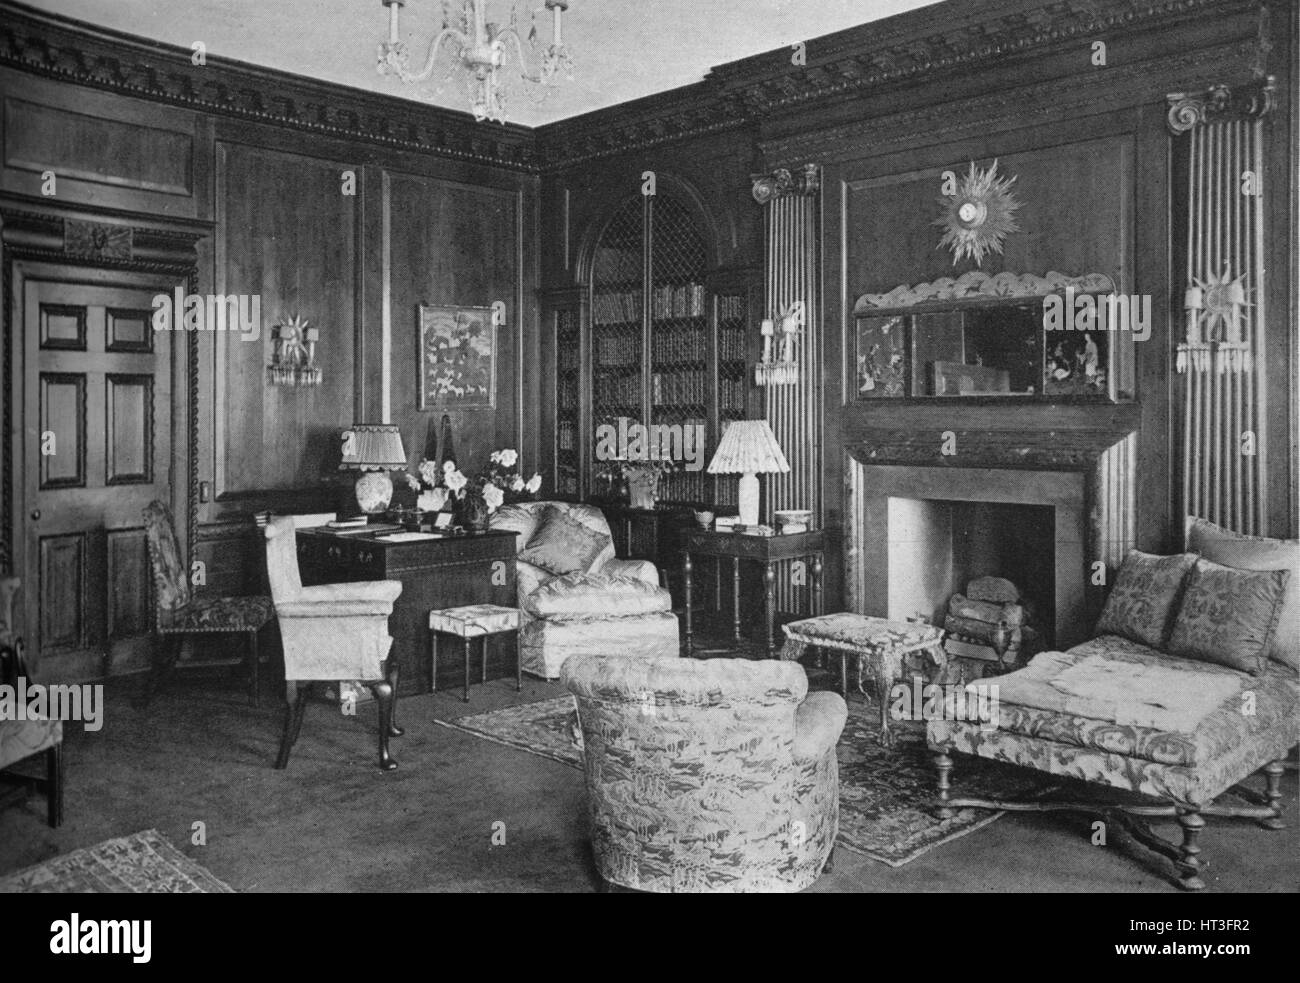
point(715, 775)
point(323, 636)
point(21, 739)
point(578, 595)
point(1219, 545)
point(563, 544)
point(1229, 616)
point(859, 632)
point(474, 620)
point(552, 628)
point(170, 578)
point(218, 614)
point(1145, 597)
point(1040, 726)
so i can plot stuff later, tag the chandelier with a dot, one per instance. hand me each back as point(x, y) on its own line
point(480, 47)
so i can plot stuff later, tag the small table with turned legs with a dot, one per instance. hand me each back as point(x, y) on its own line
point(806, 547)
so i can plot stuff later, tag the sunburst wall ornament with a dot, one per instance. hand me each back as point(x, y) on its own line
point(978, 217)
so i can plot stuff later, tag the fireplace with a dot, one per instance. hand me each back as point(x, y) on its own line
point(1052, 512)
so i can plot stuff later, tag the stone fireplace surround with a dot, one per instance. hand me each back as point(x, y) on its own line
point(1086, 476)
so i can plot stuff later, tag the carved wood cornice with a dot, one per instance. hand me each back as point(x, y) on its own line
point(906, 49)
point(1021, 450)
point(1062, 99)
point(983, 286)
point(56, 47)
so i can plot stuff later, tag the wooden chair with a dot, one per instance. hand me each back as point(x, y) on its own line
point(21, 740)
point(178, 612)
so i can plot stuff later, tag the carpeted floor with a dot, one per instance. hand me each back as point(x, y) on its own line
point(142, 863)
point(884, 792)
point(333, 822)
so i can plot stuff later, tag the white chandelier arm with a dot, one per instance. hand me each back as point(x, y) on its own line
point(461, 41)
point(519, 51)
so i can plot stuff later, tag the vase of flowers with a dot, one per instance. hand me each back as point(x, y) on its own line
point(473, 500)
point(638, 479)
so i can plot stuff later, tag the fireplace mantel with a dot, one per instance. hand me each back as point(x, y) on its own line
point(1032, 450)
point(1085, 476)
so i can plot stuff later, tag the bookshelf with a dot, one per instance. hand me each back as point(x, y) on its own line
point(666, 347)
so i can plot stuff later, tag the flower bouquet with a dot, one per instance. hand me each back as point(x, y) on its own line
point(474, 499)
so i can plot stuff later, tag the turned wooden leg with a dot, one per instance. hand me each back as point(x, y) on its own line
point(1190, 862)
point(519, 664)
point(393, 669)
point(433, 662)
point(253, 695)
point(465, 696)
point(943, 761)
point(384, 694)
point(686, 581)
point(1273, 792)
point(483, 649)
point(769, 604)
point(735, 598)
point(296, 700)
point(54, 785)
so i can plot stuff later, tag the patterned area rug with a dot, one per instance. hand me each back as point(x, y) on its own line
point(884, 793)
point(142, 863)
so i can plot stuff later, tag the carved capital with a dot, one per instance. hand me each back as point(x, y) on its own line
point(1218, 102)
point(96, 241)
point(805, 181)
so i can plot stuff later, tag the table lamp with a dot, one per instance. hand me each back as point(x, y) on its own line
point(374, 449)
point(747, 448)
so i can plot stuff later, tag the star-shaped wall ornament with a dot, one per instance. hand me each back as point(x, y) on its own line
point(979, 216)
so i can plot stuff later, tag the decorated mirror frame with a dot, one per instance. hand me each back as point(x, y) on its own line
point(1003, 338)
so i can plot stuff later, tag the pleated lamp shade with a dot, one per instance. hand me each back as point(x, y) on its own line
point(373, 447)
point(748, 448)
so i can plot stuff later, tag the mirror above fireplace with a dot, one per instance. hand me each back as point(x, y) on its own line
point(1052, 338)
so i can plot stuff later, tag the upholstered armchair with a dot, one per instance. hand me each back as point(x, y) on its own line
point(707, 776)
point(575, 596)
point(330, 632)
point(23, 739)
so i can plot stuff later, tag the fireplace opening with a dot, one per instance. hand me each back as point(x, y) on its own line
point(937, 547)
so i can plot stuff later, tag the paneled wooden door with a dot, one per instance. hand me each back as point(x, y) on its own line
point(97, 448)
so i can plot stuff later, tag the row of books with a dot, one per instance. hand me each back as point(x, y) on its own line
point(679, 343)
point(617, 350)
point(678, 387)
point(567, 435)
point(731, 345)
point(618, 390)
point(732, 393)
point(620, 307)
point(568, 356)
point(686, 300)
point(566, 394)
point(731, 307)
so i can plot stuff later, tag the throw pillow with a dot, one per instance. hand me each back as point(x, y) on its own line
point(1229, 616)
point(1232, 549)
point(562, 544)
point(1142, 603)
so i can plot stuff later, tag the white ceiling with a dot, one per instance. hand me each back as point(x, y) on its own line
point(622, 49)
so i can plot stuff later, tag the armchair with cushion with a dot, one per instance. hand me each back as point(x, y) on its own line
point(707, 776)
point(330, 632)
point(576, 596)
point(1188, 687)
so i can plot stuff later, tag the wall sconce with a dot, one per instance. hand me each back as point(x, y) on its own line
point(293, 362)
point(1213, 307)
point(780, 368)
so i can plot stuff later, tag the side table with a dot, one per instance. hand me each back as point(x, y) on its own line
point(767, 550)
point(879, 645)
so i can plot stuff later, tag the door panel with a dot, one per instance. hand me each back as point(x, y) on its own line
point(98, 395)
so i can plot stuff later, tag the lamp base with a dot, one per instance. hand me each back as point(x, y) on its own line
point(374, 491)
point(747, 498)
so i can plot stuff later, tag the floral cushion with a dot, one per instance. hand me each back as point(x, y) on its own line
point(218, 614)
point(577, 595)
point(1229, 616)
point(859, 632)
point(170, 578)
point(563, 544)
point(1142, 603)
point(1231, 549)
point(474, 620)
point(1213, 749)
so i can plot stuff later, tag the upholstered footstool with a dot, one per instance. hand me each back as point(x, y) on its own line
point(470, 622)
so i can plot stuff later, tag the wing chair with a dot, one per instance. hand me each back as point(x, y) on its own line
point(178, 613)
point(707, 776)
point(575, 596)
point(23, 739)
point(330, 632)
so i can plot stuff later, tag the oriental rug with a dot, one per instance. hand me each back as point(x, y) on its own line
point(142, 863)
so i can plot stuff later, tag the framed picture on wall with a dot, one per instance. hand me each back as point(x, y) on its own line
point(458, 358)
point(882, 357)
